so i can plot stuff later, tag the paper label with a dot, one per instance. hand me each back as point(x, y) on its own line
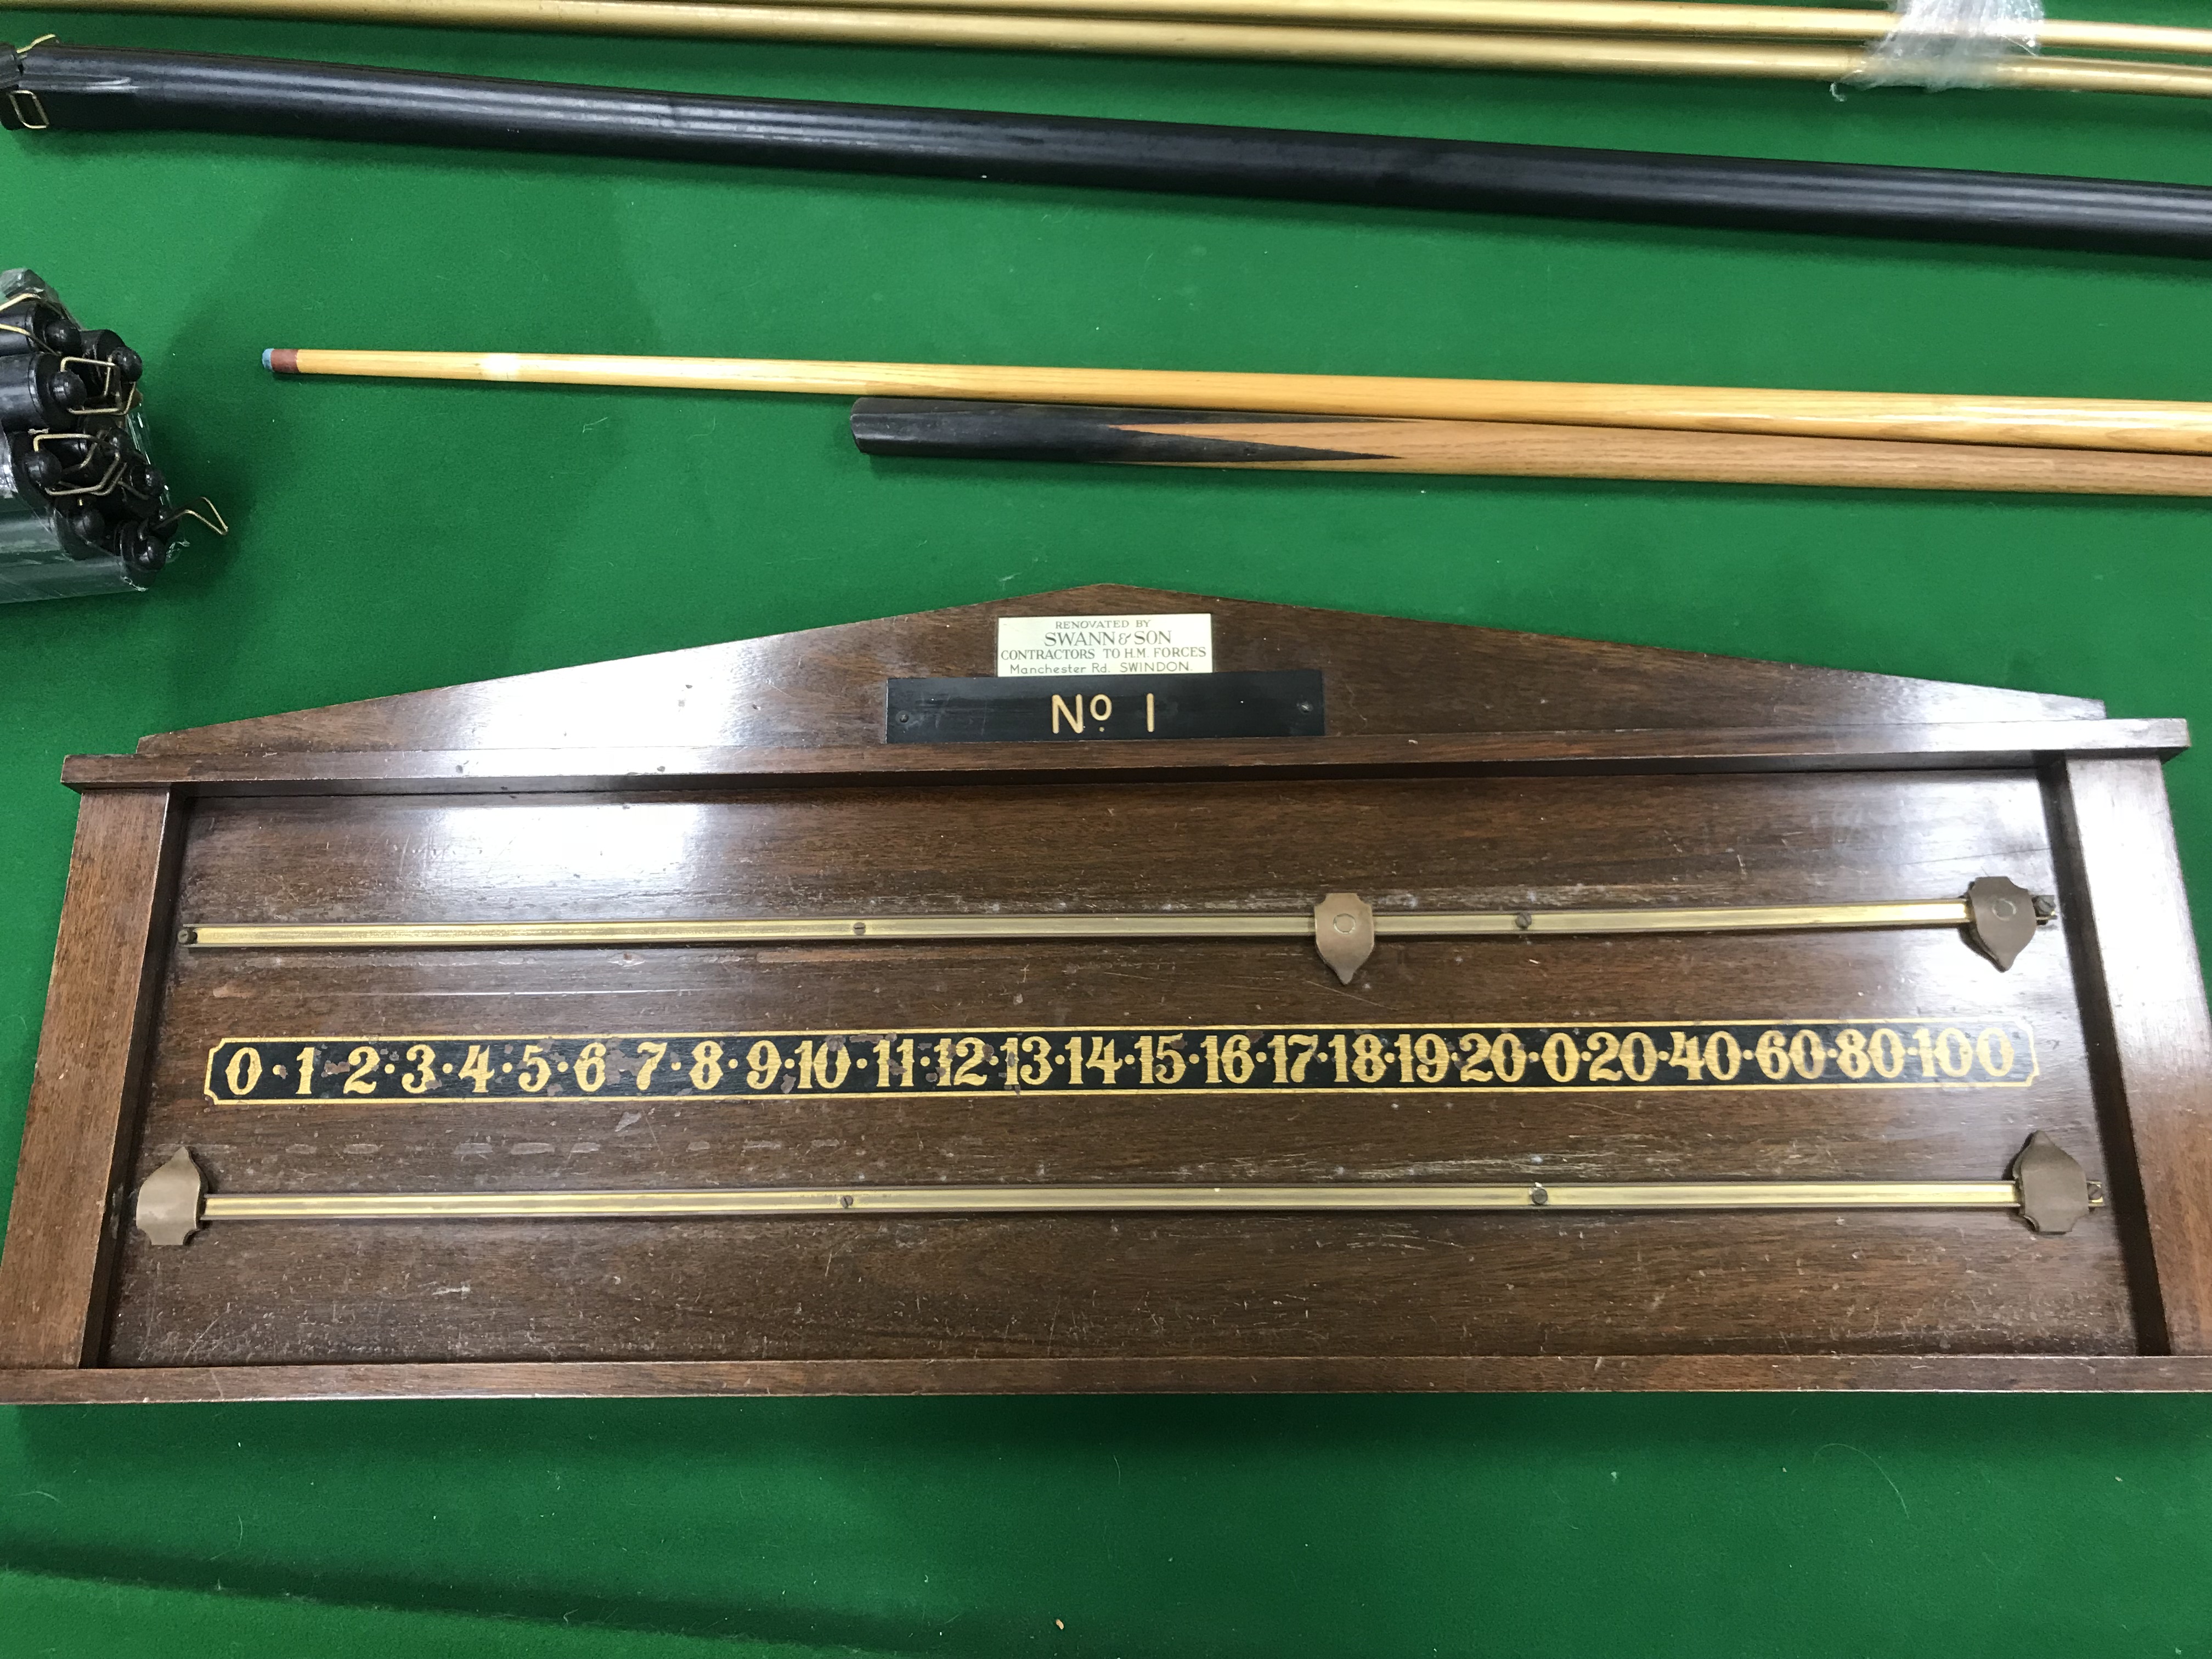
point(1106, 645)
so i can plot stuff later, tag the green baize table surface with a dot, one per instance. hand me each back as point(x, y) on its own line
point(391, 537)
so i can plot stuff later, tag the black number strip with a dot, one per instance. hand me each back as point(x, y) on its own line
point(1959, 1053)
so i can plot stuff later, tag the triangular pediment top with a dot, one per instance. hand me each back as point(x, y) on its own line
point(824, 686)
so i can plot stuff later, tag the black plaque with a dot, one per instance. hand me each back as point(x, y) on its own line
point(1111, 707)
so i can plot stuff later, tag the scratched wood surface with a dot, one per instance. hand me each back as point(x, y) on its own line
point(1106, 1286)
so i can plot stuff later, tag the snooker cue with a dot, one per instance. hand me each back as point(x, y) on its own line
point(1582, 17)
point(929, 428)
point(2052, 423)
point(1425, 48)
point(64, 88)
point(1575, 17)
point(1586, 17)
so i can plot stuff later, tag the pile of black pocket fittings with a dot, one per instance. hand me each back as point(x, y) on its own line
point(82, 507)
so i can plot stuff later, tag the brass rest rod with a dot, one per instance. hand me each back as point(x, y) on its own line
point(767, 930)
point(1997, 915)
point(2045, 1185)
point(1054, 1200)
point(741, 930)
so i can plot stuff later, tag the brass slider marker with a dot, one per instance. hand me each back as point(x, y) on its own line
point(2002, 917)
point(1343, 932)
point(2045, 1186)
point(1999, 916)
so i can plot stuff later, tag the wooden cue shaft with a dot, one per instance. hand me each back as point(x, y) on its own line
point(1166, 437)
point(1626, 55)
point(2045, 423)
point(1656, 17)
point(1689, 18)
point(1596, 17)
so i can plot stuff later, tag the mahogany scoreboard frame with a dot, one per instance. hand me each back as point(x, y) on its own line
point(1498, 841)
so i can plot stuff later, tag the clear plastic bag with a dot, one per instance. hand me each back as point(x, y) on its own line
point(1942, 43)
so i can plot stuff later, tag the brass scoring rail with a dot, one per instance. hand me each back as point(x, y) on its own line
point(1997, 915)
point(2045, 1184)
point(1053, 1201)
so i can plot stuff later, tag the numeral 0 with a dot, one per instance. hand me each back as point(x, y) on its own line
point(1562, 1057)
point(244, 1071)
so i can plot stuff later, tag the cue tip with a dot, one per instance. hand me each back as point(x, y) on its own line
point(279, 360)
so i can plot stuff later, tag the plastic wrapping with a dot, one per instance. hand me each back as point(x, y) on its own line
point(37, 557)
point(82, 507)
point(1945, 43)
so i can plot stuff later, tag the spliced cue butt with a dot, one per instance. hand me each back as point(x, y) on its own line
point(2051, 422)
point(927, 428)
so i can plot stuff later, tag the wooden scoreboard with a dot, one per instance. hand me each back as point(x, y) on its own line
point(1116, 989)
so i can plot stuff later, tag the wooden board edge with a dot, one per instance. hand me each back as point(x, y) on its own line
point(1973, 745)
point(953, 640)
point(1363, 1374)
point(2145, 1018)
point(81, 1121)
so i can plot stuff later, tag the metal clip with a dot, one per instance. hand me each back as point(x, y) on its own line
point(107, 484)
point(214, 521)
